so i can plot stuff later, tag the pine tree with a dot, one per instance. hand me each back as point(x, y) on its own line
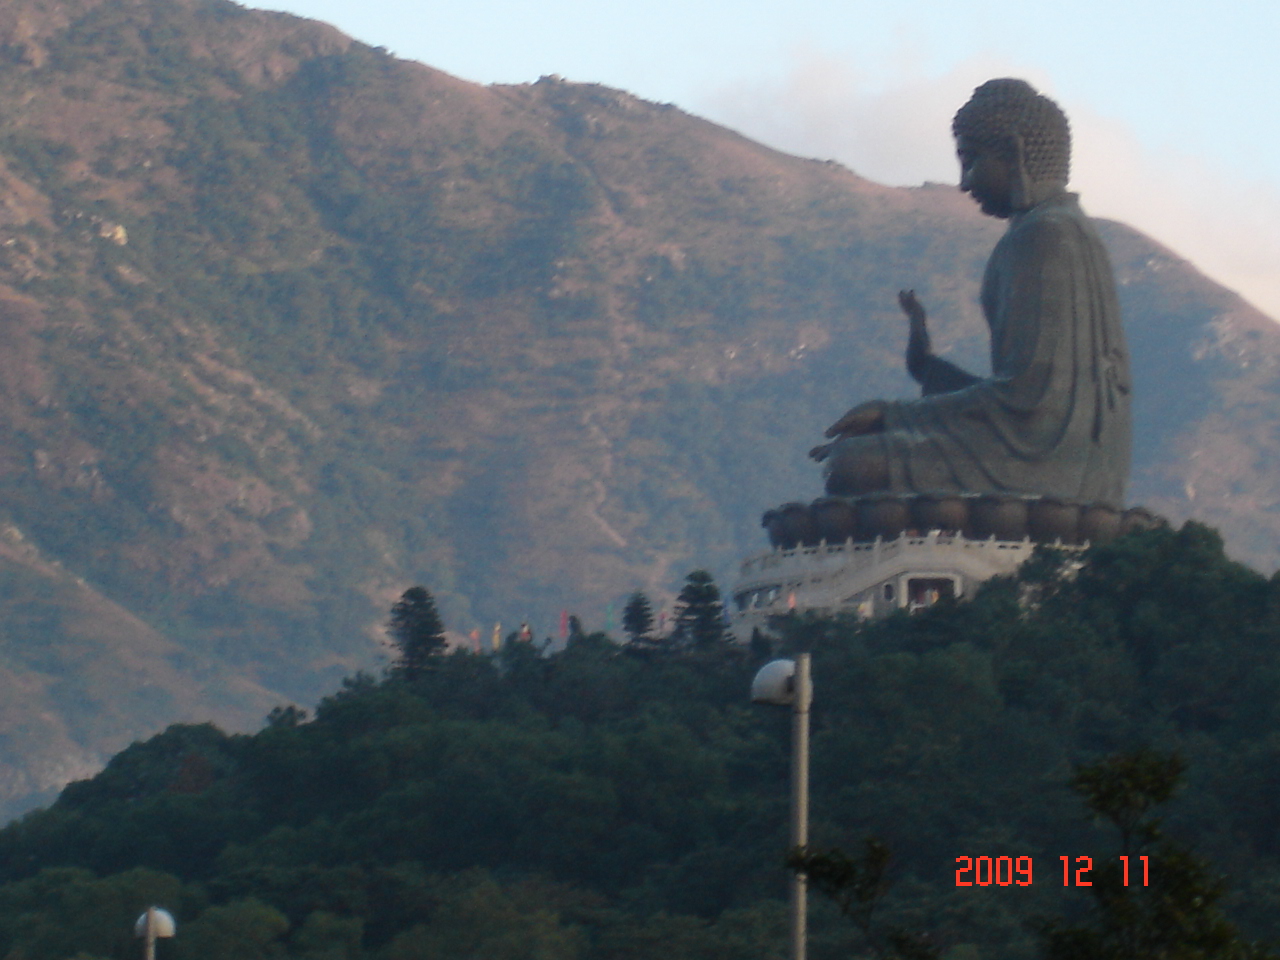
point(637, 617)
point(699, 614)
point(416, 631)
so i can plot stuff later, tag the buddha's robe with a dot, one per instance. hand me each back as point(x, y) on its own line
point(1053, 418)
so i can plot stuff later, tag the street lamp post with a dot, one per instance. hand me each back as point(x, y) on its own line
point(788, 683)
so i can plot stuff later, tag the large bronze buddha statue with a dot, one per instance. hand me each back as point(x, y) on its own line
point(1052, 420)
point(1038, 449)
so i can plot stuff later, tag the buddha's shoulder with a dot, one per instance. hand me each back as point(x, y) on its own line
point(1052, 223)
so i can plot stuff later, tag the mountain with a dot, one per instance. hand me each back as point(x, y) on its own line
point(291, 325)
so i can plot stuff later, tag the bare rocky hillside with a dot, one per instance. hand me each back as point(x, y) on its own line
point(290, 325)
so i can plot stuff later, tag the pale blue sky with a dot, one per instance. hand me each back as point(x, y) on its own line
point(1173, 104)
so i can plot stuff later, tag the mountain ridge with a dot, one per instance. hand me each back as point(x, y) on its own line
point(293, 325)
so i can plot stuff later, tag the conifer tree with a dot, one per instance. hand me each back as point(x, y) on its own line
point(637, 617)
point(417, 632)
point(699, 613)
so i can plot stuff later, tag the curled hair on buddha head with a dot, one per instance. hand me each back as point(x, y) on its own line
point(1000, 110)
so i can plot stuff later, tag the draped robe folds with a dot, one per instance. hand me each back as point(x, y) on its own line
point(1053, 418)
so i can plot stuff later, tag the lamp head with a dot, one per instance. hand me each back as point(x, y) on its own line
point(775, 683)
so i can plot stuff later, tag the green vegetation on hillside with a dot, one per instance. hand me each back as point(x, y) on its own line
point(1155, 898)
point(291, 324)
point(605, 802)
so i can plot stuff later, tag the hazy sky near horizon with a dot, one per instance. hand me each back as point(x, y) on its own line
point(1172, 104)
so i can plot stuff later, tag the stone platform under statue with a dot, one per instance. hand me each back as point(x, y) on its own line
point(972, 516)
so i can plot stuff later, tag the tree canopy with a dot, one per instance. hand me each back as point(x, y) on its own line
point(599, 803)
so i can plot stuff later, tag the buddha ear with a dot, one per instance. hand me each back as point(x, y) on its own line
point(1020, 187)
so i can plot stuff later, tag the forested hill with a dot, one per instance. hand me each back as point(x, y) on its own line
point(596, 804)
point(290, 324)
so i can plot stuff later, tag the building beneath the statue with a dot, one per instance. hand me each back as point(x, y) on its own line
point(872, 579)
point(872, 555)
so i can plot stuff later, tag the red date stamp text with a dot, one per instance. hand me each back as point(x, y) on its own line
point(1020, 871)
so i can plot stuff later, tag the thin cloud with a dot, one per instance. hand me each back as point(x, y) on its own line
point(899, 133)
point(1227, 225)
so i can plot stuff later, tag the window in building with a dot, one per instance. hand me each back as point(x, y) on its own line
point(926, 591)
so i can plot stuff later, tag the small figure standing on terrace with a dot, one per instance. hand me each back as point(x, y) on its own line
point(1052, 420)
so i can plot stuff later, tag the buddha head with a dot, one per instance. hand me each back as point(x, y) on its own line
point(1014, 146)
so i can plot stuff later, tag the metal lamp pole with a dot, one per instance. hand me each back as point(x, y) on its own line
point(802, 697)
point(789, 683)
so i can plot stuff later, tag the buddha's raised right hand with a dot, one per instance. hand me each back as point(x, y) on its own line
point(934, 374)
point(919, 348)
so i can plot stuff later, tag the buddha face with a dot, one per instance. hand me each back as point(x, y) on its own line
point(988, 176)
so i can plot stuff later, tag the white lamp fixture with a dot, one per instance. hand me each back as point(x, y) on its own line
point(155, 922)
